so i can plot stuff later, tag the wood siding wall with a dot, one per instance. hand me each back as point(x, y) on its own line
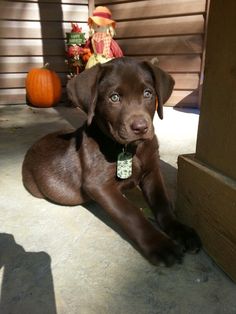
point(170, 30)
point(31, 34)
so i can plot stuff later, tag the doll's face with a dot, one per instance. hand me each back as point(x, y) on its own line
point(100, 29)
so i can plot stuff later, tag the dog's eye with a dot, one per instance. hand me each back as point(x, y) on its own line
point(147, 93)
point(115, 97)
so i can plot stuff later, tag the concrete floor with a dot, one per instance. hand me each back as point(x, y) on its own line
point(69, 260)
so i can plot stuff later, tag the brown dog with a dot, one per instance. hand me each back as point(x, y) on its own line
point(119, 98)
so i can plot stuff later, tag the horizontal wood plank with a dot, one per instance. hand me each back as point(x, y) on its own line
point(184, 99)
point(176, 63)
point(42, 11)
point(24, 64)
point(58, 1)
point(32, 47)
point(164, 45)
point(183, 81)
point(183, 63)
point(159, 2)
point(17, 80)
point(155, 8)
point(179, 99)
point(12, 96)
point(14, 80)
point(161, 27)
point(110, 2)
point(18, 96)
point(186, 81)
point(33, 29)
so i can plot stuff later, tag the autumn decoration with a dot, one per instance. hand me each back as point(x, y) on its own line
point(43, 87)
point(77, 53)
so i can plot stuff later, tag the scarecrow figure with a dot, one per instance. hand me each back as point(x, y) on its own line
point(102, 30)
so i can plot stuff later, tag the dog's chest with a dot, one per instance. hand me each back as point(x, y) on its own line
point(102, 168)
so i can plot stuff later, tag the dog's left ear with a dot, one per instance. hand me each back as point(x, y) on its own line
point(164, 84)
point(82, 90)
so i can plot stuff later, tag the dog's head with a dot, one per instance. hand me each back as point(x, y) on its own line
point(122, 96)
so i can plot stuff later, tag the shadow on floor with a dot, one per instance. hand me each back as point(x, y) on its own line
point(187, 110)
point(27, 283)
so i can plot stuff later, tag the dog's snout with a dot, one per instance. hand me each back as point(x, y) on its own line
point(139, 125)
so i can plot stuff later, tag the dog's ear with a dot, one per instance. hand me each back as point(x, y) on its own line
point(164, 84)
point(82, 90)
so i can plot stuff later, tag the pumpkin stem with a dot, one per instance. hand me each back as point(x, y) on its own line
point(46, 65)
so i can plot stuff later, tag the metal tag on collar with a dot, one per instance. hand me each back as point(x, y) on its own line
point(124, 164)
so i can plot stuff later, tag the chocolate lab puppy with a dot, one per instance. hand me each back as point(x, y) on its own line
point(115, 150)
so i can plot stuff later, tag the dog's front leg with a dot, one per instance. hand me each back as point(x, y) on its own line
point(154, 244)
point(155, 193)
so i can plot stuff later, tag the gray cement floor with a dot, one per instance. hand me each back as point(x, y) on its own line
point(69, 260)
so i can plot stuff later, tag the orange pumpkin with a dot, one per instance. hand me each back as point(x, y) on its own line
point(43, 87)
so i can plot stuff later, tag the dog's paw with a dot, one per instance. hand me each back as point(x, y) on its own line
point(185, 236)
point(167, 252)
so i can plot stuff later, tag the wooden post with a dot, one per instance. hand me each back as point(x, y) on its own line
point(207, 180)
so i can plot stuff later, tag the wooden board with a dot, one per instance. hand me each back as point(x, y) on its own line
point(12, 96)
point(18, 80)
point(182, 25)
point(162, 45)
point(185, 81)
point(218, 119)
point(33, 29)
point(176, 63)
point(173, 64)
point(59, 1)
point(207, 201)
point(7, 80)
point(156, 8)
point(32, 47)
point(17, 96)
point(183, 98)
point(42, 11)
point(24, 64)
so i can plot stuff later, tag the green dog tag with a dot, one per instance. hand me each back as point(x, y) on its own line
point(124, 165)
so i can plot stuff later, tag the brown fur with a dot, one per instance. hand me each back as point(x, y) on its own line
point(72, 168)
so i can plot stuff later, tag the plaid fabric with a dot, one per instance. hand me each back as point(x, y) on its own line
point(101, 44)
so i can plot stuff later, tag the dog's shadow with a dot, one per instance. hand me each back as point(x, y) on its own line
point(26, 277)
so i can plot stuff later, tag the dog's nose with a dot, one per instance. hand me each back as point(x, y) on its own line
point(139, 126)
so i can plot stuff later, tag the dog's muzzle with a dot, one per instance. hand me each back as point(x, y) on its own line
point(139, 126)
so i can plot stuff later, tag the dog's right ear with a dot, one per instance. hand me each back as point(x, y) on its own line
point(164, 84)
point(82, 90)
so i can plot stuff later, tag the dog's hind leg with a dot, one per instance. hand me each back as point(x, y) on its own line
point(30, 183)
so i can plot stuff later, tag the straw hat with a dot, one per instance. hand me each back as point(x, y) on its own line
point(102, 17)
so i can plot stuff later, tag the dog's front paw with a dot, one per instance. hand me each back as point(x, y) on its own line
point(185, 236)
point(166, 251)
